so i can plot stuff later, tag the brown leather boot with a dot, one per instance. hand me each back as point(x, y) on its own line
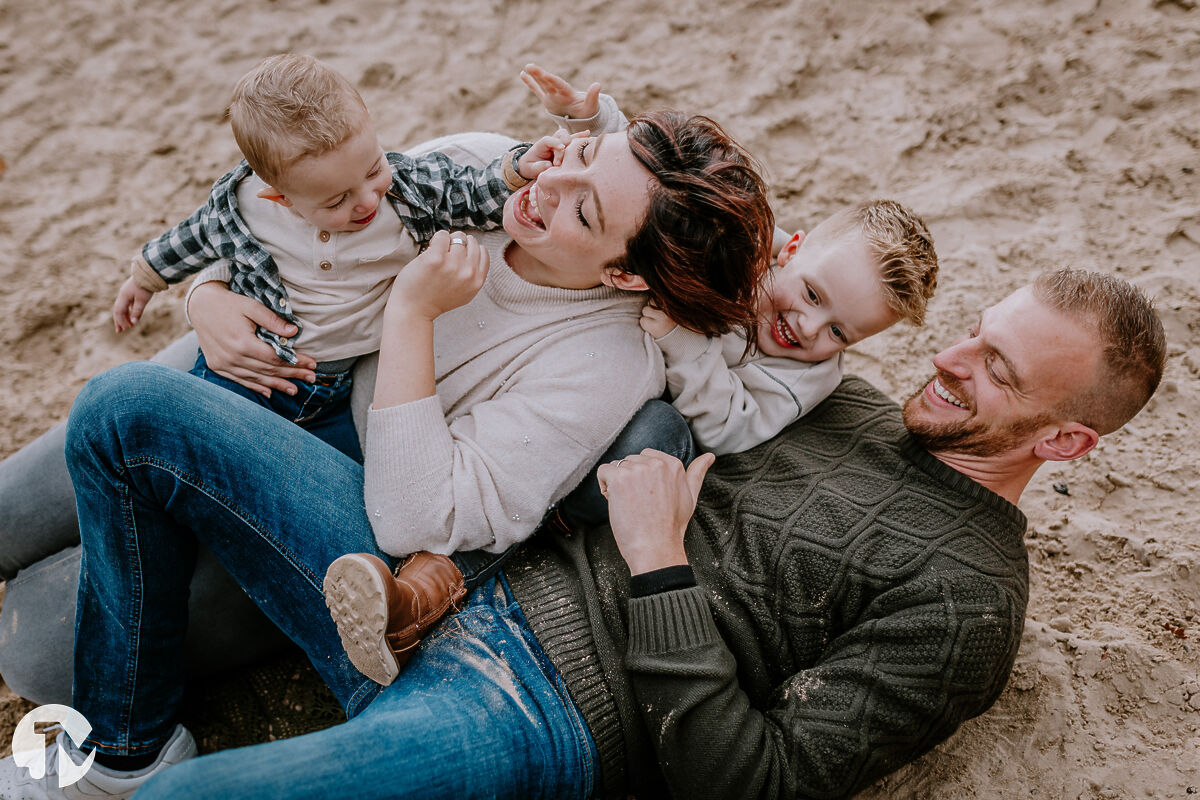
point(381, 617)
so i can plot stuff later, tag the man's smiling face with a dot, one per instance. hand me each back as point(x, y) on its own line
point(998, 386)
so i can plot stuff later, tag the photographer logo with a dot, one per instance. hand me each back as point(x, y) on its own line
point(29, 746)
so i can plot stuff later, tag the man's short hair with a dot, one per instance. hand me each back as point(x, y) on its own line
point(291, 106)
point(1134, 347)
point(903, 247)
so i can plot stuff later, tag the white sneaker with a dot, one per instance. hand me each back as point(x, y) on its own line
point(98, 782)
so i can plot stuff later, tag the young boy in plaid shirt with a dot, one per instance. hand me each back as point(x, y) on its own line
point(300, 225)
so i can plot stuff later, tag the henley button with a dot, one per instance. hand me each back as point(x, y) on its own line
point(325, 265)
point(324, 236)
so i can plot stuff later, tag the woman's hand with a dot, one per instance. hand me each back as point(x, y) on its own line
point(225, 323)
point(558, 96)
point(446, 275)
point(655, 321)
point(651, 498)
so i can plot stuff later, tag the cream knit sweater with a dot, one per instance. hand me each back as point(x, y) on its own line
point(533, 384)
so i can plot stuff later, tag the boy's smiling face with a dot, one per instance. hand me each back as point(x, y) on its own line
point(825, 295)
point(340, 190)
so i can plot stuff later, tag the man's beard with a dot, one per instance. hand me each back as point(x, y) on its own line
point(971, 436)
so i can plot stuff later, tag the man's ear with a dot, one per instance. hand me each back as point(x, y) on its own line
point(790, 248)
point(1070, 440)
point(624, 280)
point(275, 196)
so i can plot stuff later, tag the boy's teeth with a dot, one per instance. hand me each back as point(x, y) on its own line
point(784, 333)
point(944, 393)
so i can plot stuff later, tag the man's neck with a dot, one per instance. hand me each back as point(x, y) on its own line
point(1005, 475)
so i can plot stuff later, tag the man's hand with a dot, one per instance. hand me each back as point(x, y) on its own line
point(655, 321)
point(651, 498)
point(226, 322)
point(130, 303)
point(558, 96)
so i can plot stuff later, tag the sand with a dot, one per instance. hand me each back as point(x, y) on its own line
point(1029, 134)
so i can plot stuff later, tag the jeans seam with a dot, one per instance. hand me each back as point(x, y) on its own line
point(133, 641)
point(364, 689)
point(301, 416)
point(228, 505)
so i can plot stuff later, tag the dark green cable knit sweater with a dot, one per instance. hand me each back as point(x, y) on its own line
point(857, 601)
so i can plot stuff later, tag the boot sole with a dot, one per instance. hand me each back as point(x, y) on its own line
point(357, 600)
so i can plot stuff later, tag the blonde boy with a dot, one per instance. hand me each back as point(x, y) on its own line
point(301, 226)
point(855, 274)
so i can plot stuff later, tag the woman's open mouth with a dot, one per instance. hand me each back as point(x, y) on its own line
point(526, 208)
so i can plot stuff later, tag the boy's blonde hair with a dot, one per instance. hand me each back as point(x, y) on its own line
point(899, 240)
point(291, 106)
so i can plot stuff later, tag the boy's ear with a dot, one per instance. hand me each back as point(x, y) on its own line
point(624, 280)
point(1070, 440)
point(275, 196)
point(791, 247)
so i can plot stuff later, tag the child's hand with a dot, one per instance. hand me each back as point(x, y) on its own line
point(447, 275)
point(545, 153)
point(131, 302)
point(655, 321)
point(558, 97)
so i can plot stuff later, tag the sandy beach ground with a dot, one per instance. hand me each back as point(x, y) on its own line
point(1030, 135)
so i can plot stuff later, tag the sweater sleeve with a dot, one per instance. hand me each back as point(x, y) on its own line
point(608, 119)
point(485, 479)
point(732, 408)
point(213, 273)
point(881, 694)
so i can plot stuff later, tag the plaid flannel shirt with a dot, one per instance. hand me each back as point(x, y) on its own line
point(428, 192)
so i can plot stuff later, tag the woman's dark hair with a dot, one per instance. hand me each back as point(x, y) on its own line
point(706, 238)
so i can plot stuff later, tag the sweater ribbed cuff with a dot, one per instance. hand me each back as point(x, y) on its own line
point(145, 276)
point(214, 273)
point(682, 345)
point(670, 622)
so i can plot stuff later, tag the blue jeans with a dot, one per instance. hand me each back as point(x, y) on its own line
point(478, 712)
point(160, 461)
point(656, 425)
point(322, 408)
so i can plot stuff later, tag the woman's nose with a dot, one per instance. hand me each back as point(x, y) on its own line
point(560, 177)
